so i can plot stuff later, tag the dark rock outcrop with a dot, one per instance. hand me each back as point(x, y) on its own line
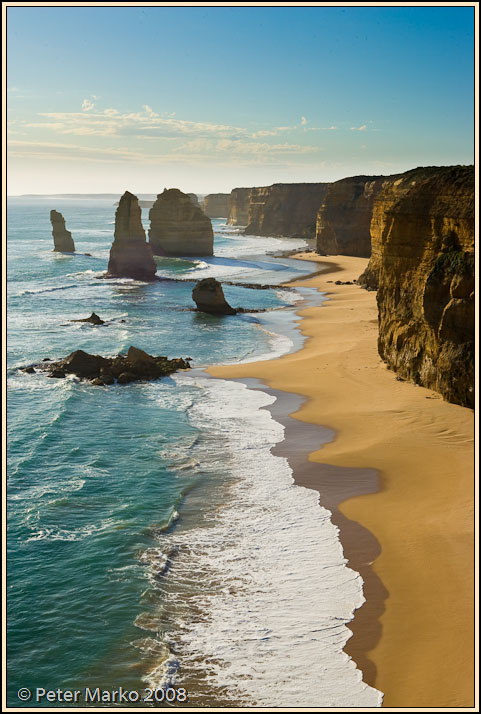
point(216, 205)
point(178, 227)
point(239, 200)
point(136, 365)
point(344, 218)
point(423, 265)
point(285, 209)
point(81, 363)
point(130, 256)
point(94, 319)
point(209, 297)
point(62, 238)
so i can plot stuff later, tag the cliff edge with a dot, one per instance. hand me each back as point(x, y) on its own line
point(285, 209)
point(422, 263)
point(344, 218)
point(239, 207)
point(216, 205)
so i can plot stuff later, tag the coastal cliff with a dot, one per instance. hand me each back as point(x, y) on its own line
point(285, 209)
point(178, 227)
point(216, 205)
point(422, 263)
point(344, 218)
point(130, 256)
point(239, 207)
point(62, 238)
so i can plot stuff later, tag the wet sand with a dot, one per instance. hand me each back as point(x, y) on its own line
point(400, 463)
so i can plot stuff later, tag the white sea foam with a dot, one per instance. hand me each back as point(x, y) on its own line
point(291, 297)
point(243, 245)
point(56, 533)
point(278, 345)
point(265, 624)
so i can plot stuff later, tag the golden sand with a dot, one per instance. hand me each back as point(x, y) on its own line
point(423, 514)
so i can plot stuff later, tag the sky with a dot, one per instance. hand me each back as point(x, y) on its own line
point(205, 99)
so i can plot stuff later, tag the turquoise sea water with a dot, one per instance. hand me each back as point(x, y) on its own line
point(137, 533)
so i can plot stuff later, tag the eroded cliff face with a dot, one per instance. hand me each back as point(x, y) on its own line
point(423, 265)
point(239, 207)
point(344, 218)
point(285, 209)
point(178, 227)
point(216, 205)
point(62, 238)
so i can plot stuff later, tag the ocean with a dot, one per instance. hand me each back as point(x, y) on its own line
point(154, 542)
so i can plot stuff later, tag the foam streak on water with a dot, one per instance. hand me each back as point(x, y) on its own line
point(273, 593)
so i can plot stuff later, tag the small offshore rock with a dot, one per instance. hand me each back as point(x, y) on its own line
point(28, 370)
point(209, 297)
point(94, 319)
point(57, 373)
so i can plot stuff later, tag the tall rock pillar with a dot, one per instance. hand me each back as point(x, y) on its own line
point(130, 256)
point(62, 238)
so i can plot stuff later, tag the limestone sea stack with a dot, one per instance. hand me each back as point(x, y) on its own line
point(130, 256)
point(194, 198)
point(62, 238)
point(239, 207)
point(178, 227)
point(216, 205)
point(423, 266)
point(209, 297)
point(344, 219)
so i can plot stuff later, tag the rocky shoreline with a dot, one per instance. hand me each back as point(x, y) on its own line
point(135, 366)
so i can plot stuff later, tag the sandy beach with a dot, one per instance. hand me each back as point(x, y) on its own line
point(398, 476)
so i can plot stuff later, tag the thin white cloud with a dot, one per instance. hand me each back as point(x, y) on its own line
point(113, 122)
point(150, 137)
point(200, 150)
point(359, 128)
point(265, 132)
point(303, 121)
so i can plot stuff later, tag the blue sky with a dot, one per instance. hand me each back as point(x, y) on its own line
point(208, 98)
